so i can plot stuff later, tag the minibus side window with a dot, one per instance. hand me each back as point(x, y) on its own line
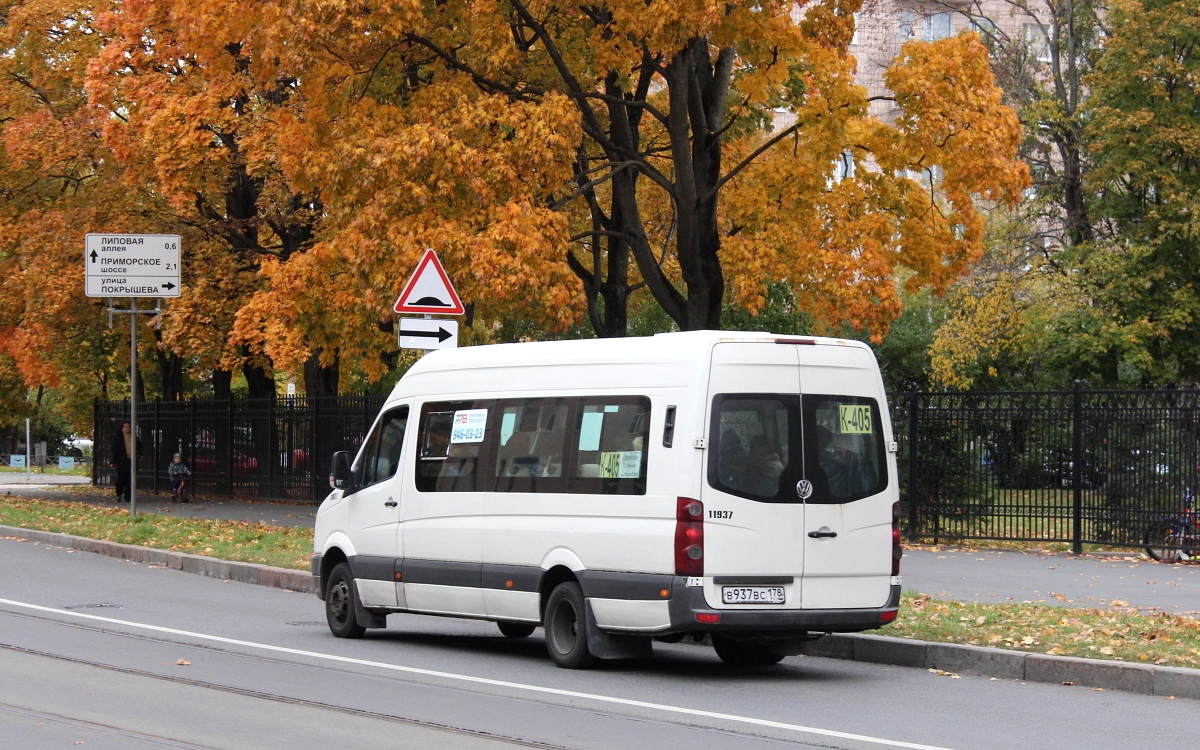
point(448, 450)
point(846, 448)
point(609, 446)
point(380, 456)
point(530, 445)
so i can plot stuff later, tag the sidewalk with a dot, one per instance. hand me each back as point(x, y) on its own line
point(251, 511)
point(13, 478)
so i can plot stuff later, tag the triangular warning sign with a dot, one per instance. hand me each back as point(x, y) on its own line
point(429, 290)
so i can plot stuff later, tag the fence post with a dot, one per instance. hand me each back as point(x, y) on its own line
point(157, 438)
point(96, 439)
point(1077, 470)
point(314, 448)
point(191, 441)
point(229, 449)
point(912, 466)
point(272, 447)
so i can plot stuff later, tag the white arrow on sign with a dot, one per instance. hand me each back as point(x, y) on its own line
point(425, 333)
point(131, 265)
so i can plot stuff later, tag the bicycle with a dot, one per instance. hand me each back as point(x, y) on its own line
point(1177, 539)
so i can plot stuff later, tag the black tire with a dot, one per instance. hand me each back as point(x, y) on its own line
point(566, 627)
point(744, 653)
point(1163, 542)
point(516, 629)
point(341, 600)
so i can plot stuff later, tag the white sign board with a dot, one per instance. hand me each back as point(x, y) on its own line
point(426, 333)
point(468, 426)
point(16, 461)
point(131, 265)
point(66, 462)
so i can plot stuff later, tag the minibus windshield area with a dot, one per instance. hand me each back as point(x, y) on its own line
point(788, 449)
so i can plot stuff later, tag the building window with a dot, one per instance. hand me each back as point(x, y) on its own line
point(937, 26)
point(1036, 42)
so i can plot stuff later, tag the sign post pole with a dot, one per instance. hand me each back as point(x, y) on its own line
point(133, 439)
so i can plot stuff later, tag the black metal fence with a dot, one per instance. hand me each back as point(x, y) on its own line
point(1081, 467)
point(262, 448)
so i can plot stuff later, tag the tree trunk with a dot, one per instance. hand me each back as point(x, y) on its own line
point(170, 371)
point(222, 381)
point(259, 381)
point(321, 380)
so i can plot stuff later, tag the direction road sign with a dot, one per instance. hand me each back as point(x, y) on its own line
point(429, 290)
point(426, 333)
point(131, 265)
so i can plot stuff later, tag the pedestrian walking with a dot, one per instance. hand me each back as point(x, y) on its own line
point(123, 446)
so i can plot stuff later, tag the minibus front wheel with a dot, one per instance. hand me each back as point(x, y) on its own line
point(340, 604)
point(566, 627)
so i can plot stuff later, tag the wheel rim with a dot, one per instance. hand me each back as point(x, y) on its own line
point(339, 601)
point(564, 631)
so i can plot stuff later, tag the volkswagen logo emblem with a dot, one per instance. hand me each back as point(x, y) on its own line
point(804, 489)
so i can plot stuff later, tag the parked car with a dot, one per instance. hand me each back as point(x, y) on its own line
point(205, 458)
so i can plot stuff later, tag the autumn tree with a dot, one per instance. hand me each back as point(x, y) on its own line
point(193, 129)
point(56, 181)
point(680, 170)
point(1041, 53)
point(1144, 117)
point(621, 145)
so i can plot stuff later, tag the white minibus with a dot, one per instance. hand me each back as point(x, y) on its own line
point(740, 486)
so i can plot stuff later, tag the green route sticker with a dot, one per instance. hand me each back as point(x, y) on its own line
point(855, 419)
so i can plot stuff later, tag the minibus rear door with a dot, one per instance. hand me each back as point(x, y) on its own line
point(848, 516)
point(753, 519)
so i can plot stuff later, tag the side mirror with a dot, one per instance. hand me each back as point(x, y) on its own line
point(340, 476)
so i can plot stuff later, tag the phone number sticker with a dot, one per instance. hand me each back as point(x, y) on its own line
point(468, 426)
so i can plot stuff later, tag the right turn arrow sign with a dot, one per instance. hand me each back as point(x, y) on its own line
point(425, 333)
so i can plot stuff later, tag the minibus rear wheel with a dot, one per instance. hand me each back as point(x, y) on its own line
point(744, 653)
point(516, 629)
point(340, 604)
point(566, 627)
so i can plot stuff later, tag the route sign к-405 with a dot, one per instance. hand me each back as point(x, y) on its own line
point(131, 265)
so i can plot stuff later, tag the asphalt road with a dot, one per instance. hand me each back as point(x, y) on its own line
point(124, 655)
point(1127, 580)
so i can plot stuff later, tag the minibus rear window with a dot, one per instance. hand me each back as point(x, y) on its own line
point(766, 444)
point(845, 437)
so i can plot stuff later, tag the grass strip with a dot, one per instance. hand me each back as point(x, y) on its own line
point(1121, 633)
point(278, 546)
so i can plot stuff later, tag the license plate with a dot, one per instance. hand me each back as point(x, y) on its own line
point(752, 594)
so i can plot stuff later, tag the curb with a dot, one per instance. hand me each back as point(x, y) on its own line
point(262, 575)
point(1146, 679)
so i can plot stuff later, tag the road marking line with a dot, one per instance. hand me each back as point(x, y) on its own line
point(663, 707)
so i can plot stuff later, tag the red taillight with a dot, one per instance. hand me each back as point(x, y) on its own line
point(888, 616)
point(708, 618)
point(689, 537)
point(897, 549)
